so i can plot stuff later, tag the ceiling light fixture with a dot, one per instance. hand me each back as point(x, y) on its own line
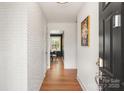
point(62, 2)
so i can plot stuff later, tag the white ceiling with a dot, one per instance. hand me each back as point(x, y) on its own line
point(56, 12)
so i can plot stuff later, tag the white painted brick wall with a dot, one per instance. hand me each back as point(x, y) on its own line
point(22, 49)
point(36, 41)
point(13, 46)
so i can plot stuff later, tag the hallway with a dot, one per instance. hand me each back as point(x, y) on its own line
point(88, 35)
point(25, 46)
point(60, 79)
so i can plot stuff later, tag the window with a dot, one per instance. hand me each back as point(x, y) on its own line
point(55, 43)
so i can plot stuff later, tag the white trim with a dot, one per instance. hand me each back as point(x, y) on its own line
point(81, 84)
point(42, 81)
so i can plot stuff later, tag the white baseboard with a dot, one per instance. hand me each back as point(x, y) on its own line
point(70, 68)
point(42, 81)
point(81, 84)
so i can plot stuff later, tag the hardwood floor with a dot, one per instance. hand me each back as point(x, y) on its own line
point(60, 79)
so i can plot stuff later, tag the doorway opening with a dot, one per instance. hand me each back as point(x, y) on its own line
point(56, 48)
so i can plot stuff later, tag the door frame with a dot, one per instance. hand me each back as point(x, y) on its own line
point(48, 47)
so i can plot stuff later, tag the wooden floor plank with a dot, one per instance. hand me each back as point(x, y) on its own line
point(60, 79)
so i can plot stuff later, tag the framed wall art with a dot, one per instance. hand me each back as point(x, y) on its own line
point(85, 31)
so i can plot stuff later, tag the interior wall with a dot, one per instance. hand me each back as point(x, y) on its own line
point(36, 46)
point(87, 56)
point(69, 42)
point(13, 46)
point(22, 46)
